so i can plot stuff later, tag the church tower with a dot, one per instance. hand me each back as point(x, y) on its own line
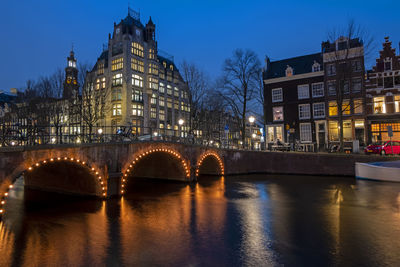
point(71, 85)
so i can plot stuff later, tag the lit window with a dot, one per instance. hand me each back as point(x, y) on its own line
point(161, 101)
point(169, 89)
point(117, 64)
point(304, 111)
point(153, 113)
point(169, 76)
point(164, 64)
point(331, 69)
point(277, 113)
point(346, 107)
point(397, 103)
point(303, 91)
point(137, 95)
point(103, 82)
point(117, 79)
point(176, 104)
point(169, 102)
point(137, 65)
point(358, 106)
point(347, 131)
point(151, 53)
point(277, 95)
point(100, 68)
point(356, 85)
point(137, 49)
point(317, 89)
point(176, 91)
point(153, 83)
point(117, 109)
point(162, 88)
point(305, 132)
point(171, 67)
point(97, 84)
point(153, 69)
point(137, 80)
point(162, 115)
point(379, 105)
point(333, 131)
point(137, 109)
point(333, 109)
point(153, 99)
point(319, 110)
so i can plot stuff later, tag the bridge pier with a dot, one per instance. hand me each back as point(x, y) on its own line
point(114, 184)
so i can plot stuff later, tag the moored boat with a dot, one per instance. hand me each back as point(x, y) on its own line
point(379, 171)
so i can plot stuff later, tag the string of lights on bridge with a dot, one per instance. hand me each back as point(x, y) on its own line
point(140, 156)
point(204, 156)
point(93, 170)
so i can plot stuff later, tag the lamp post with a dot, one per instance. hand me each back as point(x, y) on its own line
point(251, 120)
point(180, 122)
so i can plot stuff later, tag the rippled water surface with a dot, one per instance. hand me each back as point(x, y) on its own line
point(231, 221)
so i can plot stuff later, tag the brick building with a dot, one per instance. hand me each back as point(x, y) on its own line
point(383, 95)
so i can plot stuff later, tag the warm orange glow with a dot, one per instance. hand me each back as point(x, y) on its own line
point(176, 154)
point(207, 154)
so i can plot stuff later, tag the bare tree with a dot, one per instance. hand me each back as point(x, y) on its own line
point(345, 51)
point(239, 84)
point(57, 82)
point(197, 83)
point(93, 105)
point(83, 68)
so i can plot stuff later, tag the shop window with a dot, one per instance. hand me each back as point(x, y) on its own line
point(333, 131)
point(347, 131)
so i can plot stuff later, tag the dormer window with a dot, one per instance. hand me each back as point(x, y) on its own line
point(289, 71)
point(388, 64)
point(342, 43)
point(316, 66)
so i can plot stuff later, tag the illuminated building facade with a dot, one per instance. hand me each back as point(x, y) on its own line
point(383, 95)
point(139, 85)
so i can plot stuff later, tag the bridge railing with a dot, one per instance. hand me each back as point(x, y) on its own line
point(26, 135)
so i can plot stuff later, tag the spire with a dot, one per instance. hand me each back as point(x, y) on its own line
point(150, 22)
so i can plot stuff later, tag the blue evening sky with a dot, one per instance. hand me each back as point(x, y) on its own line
point(36, 36)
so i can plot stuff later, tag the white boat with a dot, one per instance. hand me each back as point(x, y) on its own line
point(379, 171)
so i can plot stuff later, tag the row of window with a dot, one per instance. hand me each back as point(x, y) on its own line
point(317, 90)
point(319, 110)
point(356, 66)
point(137, 110)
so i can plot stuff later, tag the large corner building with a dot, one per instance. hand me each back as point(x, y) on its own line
point(139, 85)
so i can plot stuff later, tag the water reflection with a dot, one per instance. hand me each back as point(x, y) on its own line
point(250, 220)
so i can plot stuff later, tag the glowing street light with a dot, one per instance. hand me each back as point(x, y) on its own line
point(53, 140)
point(100, 131)
point(181, 122)
point(251, 120)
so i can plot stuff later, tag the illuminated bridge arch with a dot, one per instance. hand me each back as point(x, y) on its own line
point(210, 163)
point(95, 173)
point(134, 169)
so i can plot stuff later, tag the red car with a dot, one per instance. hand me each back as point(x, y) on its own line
point(383, 148)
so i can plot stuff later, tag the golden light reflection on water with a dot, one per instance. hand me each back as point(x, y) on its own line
point(217, 221)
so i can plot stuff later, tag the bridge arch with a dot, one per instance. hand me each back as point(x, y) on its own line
point(139, 157)
point(210, 163)
point(101, 189)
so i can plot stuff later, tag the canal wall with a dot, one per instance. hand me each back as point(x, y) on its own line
point(324, 164)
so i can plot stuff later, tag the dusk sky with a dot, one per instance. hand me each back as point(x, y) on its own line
point(36, 36)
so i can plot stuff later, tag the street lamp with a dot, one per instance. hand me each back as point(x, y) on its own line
point(251, 120)
point(180, 122)
point(100, 131)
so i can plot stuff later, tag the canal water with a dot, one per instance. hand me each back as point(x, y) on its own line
point(233, 221)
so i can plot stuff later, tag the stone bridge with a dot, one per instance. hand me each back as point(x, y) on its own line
point(106, 169)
